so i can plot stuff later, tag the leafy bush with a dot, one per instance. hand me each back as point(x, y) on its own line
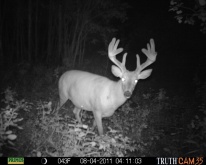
point(190, 12)
point(196, 139)
point(9, 118)
point(55, 135)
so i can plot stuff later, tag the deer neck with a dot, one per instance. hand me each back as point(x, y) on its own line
point(118, 93)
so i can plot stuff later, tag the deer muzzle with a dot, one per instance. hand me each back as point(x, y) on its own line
point(127, 94)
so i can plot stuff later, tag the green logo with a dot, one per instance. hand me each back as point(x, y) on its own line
point(15, 160)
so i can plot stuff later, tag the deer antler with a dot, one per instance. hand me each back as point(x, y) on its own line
point(113, 51)
point(151, 56)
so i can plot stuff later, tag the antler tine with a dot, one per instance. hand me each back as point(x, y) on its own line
point(124, 59)
point(138, 63)
point(150, 53)
point(113, 51)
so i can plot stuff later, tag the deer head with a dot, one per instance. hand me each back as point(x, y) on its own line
point(129, 79)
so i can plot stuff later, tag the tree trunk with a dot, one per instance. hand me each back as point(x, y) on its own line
point(59, 33)
point(29, 31)
point(49, 41)
point(36, 31)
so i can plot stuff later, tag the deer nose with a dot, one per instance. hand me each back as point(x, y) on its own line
point(127, 94)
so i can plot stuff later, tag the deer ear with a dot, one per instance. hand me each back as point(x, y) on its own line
point(116, 71)
point(144, 74)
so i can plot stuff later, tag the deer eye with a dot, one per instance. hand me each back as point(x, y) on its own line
point(123, 79)
point(135, 81)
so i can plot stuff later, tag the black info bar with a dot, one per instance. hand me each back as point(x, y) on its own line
point(103, 160)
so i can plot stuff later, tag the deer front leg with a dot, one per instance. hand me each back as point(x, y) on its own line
point(94, 125)
point(98, 121)
point(76, 111)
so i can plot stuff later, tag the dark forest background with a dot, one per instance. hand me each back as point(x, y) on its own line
point(57, 32)
point(77, 33)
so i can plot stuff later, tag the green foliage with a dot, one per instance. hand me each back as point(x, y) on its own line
point(9, 118)
point(150, 124)
point(196, 138)
point(55, 135)
point(197, 127)
point(190, 13)
point(131, 121)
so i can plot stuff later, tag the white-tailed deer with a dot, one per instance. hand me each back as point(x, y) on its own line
point(99, 94)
